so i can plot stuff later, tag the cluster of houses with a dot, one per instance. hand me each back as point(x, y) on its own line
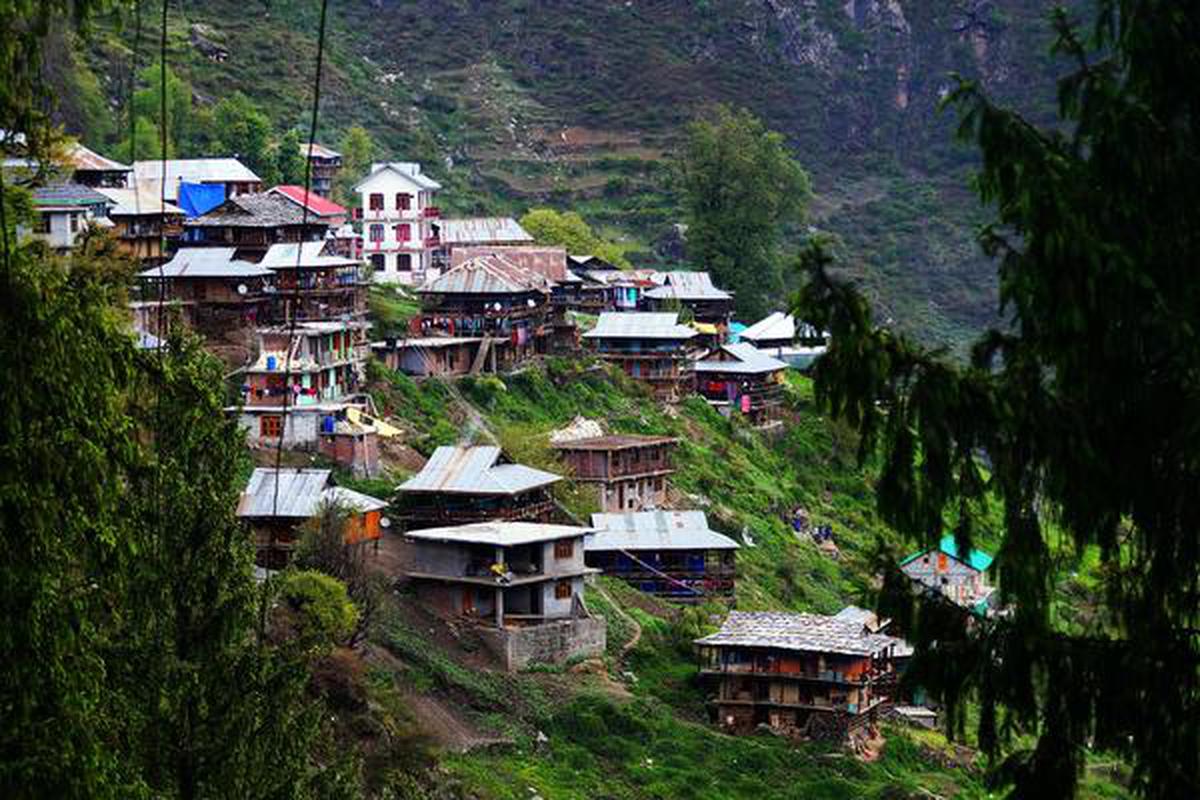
point(276, 278)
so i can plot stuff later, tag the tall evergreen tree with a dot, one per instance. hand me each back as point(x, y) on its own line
point(1080, 415)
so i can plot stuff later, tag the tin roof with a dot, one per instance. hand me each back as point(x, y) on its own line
point(486, 274)
point(84, 159)
point(656, 530)
point(261, 210)
point(318, 151)
point(193, 170)
point(549, 262)
point(499, 533)
point(976, 559)
point(321, 206)
point(813, 633)
point(474, 470)
point(139, 200)
point(305, 255)
point(748, 360)
point(612, 442)
point(775, 325)
point(686, 286)
point(639, 325)
point(427, 342)
point(67, 194)
point(301, 493)
point(206, 262)
point(408, 169)
point(483, 230)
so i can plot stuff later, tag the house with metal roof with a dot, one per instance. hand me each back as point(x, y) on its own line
point(520, 583)
point(962, 577)
point(230, 175)
point(803, 675)
point(318, 205)
point(314, 283)
point(778, 334)
point(628, 472)
point(252, 223)
point(399, 232)
point(740, 378)
point(277, 503)
point(214, 291)
point(325, 163)
point(142, 220)
point(693, 290)
point(64, 211)
point(461, 232)
point(92, 169)
point(651, 347)
point(425, 356)
point(672, 554)
point(475, 483)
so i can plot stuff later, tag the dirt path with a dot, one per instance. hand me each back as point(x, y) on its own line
point(447, 728)
point(637, 629)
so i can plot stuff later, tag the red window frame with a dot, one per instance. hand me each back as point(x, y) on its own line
point(403, 201)
point(375, 202)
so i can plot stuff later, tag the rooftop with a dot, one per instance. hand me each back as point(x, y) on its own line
point(409, 169)
point(499, 534)
point(206, 262)
point(549, 262)
point(976, 559)
point(656, 530)
point(639, 325)
point(483, 230)
point(193, 170)
point(262, 210)
point(138, 200)
point(86, 160)
point(613, 442)
point(747, 359)
point(318, 151)
point(318, 205)
point(786, 630)
point(67, 194)
point(303, 255)
point(775, 325)
point(687, 286)
point(301, 492)
point(474, 470)
point(487, 274)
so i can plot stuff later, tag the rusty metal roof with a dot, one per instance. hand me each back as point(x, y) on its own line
point(549, 262)
point(474, 470)
point(656, 530)
point(482, 231)
point(84, 159)
point(487, 274)
point(812, 633)
point(612, 442)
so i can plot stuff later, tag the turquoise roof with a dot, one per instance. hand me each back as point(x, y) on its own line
point(976, 559)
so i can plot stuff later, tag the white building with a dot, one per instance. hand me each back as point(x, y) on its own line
point(400, 227)
point(65, 211)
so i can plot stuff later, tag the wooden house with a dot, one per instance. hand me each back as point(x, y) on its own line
point(227, 176)
point(466, 484)
point(252, 223)
point(317, 205)
point(672, 554)
point(650, 347)
point(520, 582)
point(628, 472)
point(492, 298)
point(277, 503)
point(214, 291)
point(800, 674)
point(692, 290)
point(779, 335)
point(740, 378)
point(324, 165)
point(961, 577)
point(313, 284)
point(399, 233)
point(142, 221)
point(425, 356)
point(89, 168)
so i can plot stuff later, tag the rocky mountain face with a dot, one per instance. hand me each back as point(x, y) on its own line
point(523, 102)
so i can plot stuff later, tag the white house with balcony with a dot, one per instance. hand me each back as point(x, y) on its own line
point(400, 223)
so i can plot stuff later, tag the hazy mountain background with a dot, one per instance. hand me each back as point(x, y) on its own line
point(516, 103)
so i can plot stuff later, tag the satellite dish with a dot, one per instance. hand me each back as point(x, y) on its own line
point(496, 306)
point(385, 522)
point(242, 288)
point(530, 303)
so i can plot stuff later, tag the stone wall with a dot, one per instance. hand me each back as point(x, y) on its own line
point(548, 643)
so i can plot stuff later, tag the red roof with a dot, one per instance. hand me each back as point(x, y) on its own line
point(316, 204)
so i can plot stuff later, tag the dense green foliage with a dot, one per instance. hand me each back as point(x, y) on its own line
point(570, 230)
point(740, 186)
point(1084, 407)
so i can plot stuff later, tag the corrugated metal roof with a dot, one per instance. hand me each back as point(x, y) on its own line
point(775, 325)
point(408, 169)
point(482, 230)
point(428, 342)
point(300, 492)
point(499, 534)
point(656, 530)
point(549, 262)
point(318, 151)
point(68, 194)
point(193, 170)
point(355, 501)
point(783, 630)
point(687, 286)
point(611, 442)
point(206, 262)
point(976, 559)
point(87, 160)
point(473, 470)
point(639, 325)
point(487, 274)
point(139, 200)
point(311, 255)
point(749, 360)
point(321, 206)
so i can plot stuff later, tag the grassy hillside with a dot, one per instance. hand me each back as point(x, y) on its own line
point(521, 102)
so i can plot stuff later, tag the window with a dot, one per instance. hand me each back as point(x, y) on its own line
point(376, 202)
point(74, 223)
point(43, 224)
point(562, 590)
point(404, 262)
point(376, 233)
point(270, 426)
point(403, 201)
point(403, 232)
point(377, 262)
point(564, 548)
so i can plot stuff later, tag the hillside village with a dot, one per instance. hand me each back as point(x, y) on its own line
point(277, 281)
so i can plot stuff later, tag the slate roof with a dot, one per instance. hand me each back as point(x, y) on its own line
point(499, 533)
point(976, 559)
point(68, 194)
point(321, 206)
point(612, 442)
point(749, 360)
point(473, 470)
point(311, 255)
point(639, 325)
point(206, 262)
point(482, 230)
point(785, 630)
point(301, 493)
point(687, 286)
point(656, 530)
point(486, 274)
point(194, 170)
point(262, 210)
point(140, 200)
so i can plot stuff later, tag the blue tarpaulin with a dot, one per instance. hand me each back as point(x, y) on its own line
point(200, 198)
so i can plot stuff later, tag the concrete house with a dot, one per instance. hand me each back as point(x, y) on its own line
point(64, 211)
point(628, 472)
point(522, 582)
point(465, 484)
point(650, 347)
point(739, 378)
point(671, 554)
point(800, 674)
point(962, 577)
point(399, 233)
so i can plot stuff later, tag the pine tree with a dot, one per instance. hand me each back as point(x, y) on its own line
point(1079, 416)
